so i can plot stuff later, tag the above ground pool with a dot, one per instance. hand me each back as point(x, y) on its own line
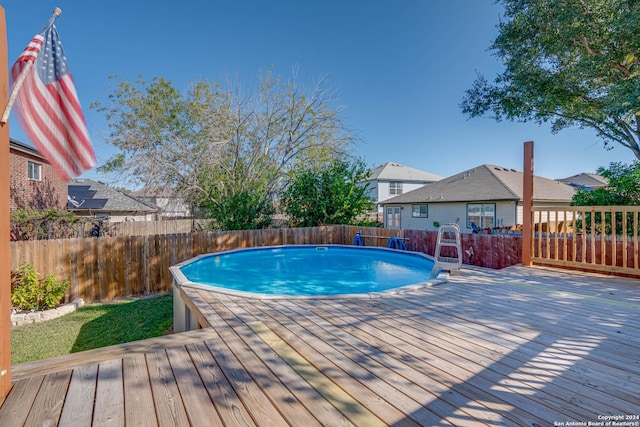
point(305, 271)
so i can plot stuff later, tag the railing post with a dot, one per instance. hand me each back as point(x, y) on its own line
point(527, 204)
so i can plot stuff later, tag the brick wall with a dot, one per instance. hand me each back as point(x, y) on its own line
point(49, 192)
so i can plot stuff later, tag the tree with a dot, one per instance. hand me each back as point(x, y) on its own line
point(623, 190)
point(242, 211)
point(334, 194)
point(568, 62)
point(218, 147)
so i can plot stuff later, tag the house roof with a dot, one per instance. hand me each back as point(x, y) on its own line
point(26, 148)
point(484, 183)
point(396, 172)
point(590, 180)
point(87, 194)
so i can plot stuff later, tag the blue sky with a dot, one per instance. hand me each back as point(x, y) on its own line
point(400, 67)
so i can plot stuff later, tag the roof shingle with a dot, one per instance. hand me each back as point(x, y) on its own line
point(93, 195)
point(397, 172)
point(483, 183)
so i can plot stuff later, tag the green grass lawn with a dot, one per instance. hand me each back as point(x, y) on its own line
point(93, 326)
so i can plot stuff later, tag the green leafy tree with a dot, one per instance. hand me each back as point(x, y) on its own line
point(242, 211)
point(568, 62)
point(334, 194)
point(221, 147)
point(623, 190)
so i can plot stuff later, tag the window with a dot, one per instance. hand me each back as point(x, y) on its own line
point(484, 215)
point(34, 170)
point(395, 188)
point(419, 211)
point(393, 217)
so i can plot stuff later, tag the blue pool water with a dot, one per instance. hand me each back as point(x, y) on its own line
point(309, 270)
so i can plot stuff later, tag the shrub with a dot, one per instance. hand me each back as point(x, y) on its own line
point(33, 224)
point(30, 292)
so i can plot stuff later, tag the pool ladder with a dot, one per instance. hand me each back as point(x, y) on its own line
point(447, 263)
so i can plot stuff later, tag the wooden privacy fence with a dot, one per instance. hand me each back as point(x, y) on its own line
point(482, 250)
point(599, 238)
point(112, 267)
point(144, 228)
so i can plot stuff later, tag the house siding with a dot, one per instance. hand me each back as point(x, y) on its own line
point(123, 217)
point(48, 192)
point(445, 213)
point(382, 190)
point(547, 217)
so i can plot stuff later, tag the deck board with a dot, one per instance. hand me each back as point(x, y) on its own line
point(18, 404)
point(47, 405)
point(196, 400)
point(168, 402)
point(79, 402)
point(519, 346)
point(230, 408)
point(109, 398)
point(138, 396)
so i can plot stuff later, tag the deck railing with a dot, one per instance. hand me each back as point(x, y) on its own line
point(599, 238)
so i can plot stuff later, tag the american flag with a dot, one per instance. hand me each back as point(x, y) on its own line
point(47, 105)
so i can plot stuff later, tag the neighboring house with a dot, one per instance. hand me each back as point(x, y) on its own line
point(393, 179)
point(170, 204)
point(587, 181)
point(489, 195)
point(32, 181)
point(90, 198)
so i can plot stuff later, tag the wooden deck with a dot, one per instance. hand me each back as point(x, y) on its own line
point(519, 346)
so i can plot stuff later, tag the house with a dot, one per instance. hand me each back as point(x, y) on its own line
point(171, 204)
point(587, 181)
point(32, 180)
point(393, 179)
point(489, 195)
point(94, 199)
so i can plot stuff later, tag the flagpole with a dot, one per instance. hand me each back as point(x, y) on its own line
point(23, 75)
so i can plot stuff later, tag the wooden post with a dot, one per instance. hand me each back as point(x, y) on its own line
point(527, 204)
point(5, 246)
